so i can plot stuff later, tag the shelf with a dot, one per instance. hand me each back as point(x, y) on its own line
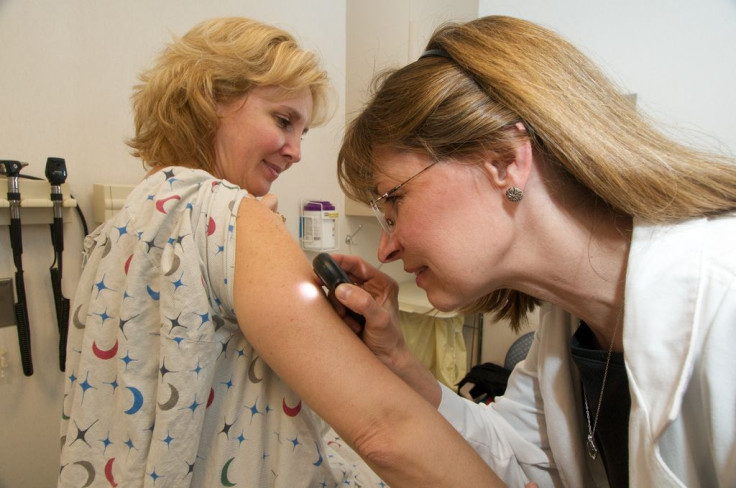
point(35, 202)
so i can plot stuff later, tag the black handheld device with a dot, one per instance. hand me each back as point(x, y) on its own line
point(12, 170)
point(56, 174)
point(332, 275)
point(56, 170)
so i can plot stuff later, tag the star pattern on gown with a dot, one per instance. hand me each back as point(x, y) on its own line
point(226, 428)
point(253, 411)
point(82, 433)
point(178, 283)
point(122, 323)
point(127, 360)
point(101, 286)
point(175, 323)
point(177, 328)
point(85, 385)
point(113, 384)
point(154, 476)
point(103, 316)
point(122, 230)
point(168, 440)
point(150, 244)
point(163, 369)
point(106, 442)
point(193, 406)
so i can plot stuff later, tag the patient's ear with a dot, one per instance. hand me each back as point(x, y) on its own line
point(514, 171)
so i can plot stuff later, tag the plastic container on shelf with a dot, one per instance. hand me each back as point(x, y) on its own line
point(318, 225)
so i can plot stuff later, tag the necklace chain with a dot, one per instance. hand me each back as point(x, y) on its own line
point(592, 449)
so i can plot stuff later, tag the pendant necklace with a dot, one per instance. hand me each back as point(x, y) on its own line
point(592, 449)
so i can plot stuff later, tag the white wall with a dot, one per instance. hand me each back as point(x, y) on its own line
point(67, 68)
point(677, 56)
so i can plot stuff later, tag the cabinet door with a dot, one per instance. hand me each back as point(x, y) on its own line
point(383, 34)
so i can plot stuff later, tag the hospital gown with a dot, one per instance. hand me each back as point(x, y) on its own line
point(161, 387)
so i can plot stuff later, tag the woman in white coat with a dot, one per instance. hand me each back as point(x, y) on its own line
point(507, 172)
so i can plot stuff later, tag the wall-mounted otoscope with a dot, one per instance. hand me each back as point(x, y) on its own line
point(12, 170)
point(56, 175)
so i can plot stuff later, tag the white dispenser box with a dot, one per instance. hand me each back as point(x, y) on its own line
point(318, 225)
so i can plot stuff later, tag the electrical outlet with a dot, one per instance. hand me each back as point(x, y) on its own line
point(7, 302)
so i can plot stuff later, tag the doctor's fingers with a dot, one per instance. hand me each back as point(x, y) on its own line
point(357, 268)
point(381, 332)
point(381, 286)
point(271, 201)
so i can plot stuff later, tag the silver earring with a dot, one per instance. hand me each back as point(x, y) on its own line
point(514, 194)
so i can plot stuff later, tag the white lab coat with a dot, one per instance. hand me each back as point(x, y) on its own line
point(679, 340)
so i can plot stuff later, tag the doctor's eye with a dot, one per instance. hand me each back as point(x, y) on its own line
point(391, 202)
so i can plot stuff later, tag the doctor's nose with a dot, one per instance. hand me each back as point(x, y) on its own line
point(389, 248)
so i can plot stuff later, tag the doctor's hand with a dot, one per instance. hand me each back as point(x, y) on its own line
point(271, 201)
point(376, 298)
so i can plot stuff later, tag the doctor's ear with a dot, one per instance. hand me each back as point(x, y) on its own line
point(512, 171)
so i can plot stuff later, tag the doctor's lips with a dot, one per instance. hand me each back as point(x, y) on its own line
point(415, 271)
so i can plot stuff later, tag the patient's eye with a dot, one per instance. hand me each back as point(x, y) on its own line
point(283, 122)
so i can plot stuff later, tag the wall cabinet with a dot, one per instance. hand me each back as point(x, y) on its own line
point(384, 34)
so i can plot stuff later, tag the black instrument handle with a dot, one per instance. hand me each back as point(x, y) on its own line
point(63, 333)
point(24, 328)
point(56, 287)
point(57, 234)
point(16, 242)
point(62, 314)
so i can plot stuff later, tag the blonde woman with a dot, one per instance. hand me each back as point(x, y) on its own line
point(506, 171)
point(200, 339)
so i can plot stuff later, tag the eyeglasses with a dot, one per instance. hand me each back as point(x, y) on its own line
point(378, 204)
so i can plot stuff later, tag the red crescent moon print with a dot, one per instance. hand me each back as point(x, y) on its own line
point(211, 227)
point(291, 411)
point(211, 398)
point(160, 203)
point(108, 472)
point(127, 264)
point(102, 354)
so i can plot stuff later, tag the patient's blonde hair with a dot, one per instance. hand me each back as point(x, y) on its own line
point(218, 60)
point(489, 74)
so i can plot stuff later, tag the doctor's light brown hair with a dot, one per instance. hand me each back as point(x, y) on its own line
point(219, 60)
point(501, 70)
